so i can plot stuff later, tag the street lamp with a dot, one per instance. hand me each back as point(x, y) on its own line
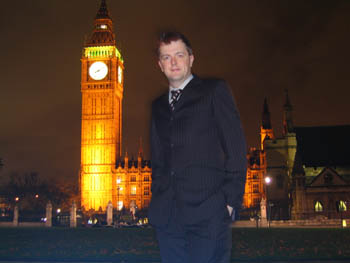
point(118, 188)
point(268, 181)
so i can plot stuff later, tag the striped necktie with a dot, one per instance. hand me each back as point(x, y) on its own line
point(175, 95)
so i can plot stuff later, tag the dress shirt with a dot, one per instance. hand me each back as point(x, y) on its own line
point(182, 86)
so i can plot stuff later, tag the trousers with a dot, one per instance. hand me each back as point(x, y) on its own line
point(179, 243)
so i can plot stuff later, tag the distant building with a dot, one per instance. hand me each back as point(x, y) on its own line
point(254, 187)
point(321, 173)
point(104, 175)
point(256, 170)
point(309, 167)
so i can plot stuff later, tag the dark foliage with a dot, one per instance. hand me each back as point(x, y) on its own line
point(32, 193)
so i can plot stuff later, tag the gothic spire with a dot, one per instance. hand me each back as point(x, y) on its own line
point(102, 34)
point(126, 153)
point(287, 105)
point(266, 119)
point(266, 131)
point(288, 126)
point(140, 154)
point(103, 11)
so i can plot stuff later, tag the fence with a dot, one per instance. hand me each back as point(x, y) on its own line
point(70, 219)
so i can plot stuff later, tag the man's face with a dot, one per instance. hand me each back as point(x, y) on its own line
point(175, 62)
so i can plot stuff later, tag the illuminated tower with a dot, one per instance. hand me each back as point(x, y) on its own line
point(101, 120)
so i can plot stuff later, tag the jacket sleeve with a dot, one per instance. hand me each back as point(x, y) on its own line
point(156, 155)
point(233, 144)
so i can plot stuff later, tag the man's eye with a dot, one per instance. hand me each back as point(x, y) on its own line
point(180, 55)
point(165, 57)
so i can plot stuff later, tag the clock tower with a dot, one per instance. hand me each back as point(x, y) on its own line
point(102, 69)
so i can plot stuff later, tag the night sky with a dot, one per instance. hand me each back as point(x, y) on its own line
point(260, 47)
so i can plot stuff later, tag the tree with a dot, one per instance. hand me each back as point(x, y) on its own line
point(33, 193)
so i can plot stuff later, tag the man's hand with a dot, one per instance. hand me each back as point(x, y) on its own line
point(230, 209)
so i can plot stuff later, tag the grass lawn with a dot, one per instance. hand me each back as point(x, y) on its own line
point(139, 244)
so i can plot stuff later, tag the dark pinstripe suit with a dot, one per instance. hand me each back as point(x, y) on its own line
point(198, 159)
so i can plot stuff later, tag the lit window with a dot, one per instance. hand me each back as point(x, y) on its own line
point(342, 206)
point(318, 206)
point(104, 26)
point(255, 188)
point(133, 178)
point(133, 190)
point(146, 190)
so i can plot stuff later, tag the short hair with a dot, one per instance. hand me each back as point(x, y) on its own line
point(168, 37)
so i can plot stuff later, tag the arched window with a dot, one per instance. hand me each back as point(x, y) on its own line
point(318, 206)
point(341, 206)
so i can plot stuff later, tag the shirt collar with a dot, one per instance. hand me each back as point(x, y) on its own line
point(182, 86)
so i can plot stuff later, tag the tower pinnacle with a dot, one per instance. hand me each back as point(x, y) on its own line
point(102, 34)
point(266, 131)
point(287, 105)
point(266, 120)
point(140, 153)
point(103, 11)
point(288, 126)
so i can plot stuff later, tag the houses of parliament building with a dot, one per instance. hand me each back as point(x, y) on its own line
point(308, 167)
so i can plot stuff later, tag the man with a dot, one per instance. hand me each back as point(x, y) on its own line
point(198, 160)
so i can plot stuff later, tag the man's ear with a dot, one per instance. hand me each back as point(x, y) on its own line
point(191, 60)
point(160, 65)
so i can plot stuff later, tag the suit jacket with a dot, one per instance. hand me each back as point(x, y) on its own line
point(198, 154)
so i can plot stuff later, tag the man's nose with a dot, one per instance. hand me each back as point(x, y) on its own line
point(173, 61)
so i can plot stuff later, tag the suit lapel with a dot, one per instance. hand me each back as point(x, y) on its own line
point(189, 91)
point(164, 103)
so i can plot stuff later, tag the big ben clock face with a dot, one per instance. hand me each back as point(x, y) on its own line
point(120, 74)
point(98, 70)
